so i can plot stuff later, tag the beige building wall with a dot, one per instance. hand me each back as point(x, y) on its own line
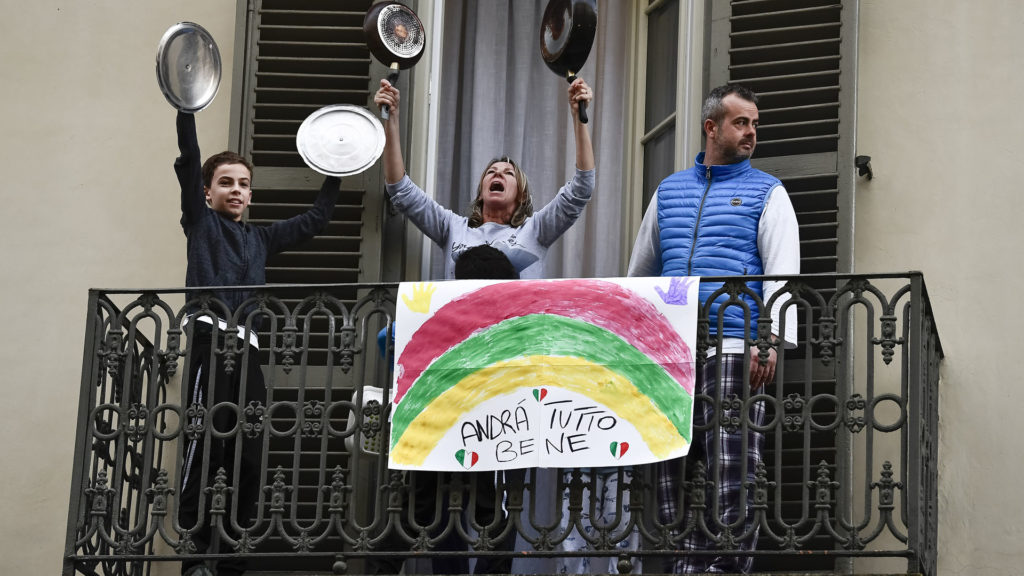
point(89, 199)
point(939, 93)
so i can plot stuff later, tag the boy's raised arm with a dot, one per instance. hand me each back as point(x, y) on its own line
point(286, 234)
point(188, 167)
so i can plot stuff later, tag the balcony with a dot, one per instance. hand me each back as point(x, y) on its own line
point(849, 471)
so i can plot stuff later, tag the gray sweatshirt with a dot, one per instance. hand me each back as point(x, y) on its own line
point(525, 246)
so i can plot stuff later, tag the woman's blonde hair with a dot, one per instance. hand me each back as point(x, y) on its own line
point(524, 202)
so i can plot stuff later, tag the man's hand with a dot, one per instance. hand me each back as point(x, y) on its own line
point(761, 373)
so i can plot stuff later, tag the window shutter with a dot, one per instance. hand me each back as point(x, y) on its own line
point(660, 112)
point(302, 55)
point(306, 54)
point(796, 56)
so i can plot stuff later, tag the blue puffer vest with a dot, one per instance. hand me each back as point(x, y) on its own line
point(708, 218)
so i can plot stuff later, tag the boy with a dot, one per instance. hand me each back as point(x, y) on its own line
point(225, 251)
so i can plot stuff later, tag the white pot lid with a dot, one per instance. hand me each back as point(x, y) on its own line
point(340, 140)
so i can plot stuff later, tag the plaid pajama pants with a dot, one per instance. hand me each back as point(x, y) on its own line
point(720, 448)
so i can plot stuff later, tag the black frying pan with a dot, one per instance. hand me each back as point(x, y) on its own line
point(566, 36)
point(395, 37)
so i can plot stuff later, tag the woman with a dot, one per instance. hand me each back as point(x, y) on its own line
point(502, 213)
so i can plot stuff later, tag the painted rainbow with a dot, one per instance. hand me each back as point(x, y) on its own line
point(593, 337)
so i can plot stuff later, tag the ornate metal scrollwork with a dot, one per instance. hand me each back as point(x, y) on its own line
point(253, 415)
point(697, 488)
point(731, 413)
point(228, 355)
point(99, 493)
point(158, 494)
point(888, 341)
point(760, 486)
point(195, 421)
point(823, 487)
point(793, 403)
point(827, 342)
point(278, 491)
point(887, 488)
point(219, 493)
point(312, 418)
point(855, 404)
point(303, 542)
point(337, 491)
point(136, 424)
point(287, 350)
point(371, 422)
point(703, 339)
point(112, 354)
point(347, 353)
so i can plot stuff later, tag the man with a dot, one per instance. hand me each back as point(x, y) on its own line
point(723, 217)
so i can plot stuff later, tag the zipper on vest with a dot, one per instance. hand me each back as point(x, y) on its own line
point(696, 225)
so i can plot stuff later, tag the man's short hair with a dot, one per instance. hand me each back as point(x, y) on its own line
point(484, 262)
point(714, 110)
point(220, 159)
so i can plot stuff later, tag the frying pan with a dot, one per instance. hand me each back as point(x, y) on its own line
point(566, 35)
point(395, 37)
point(188, 67)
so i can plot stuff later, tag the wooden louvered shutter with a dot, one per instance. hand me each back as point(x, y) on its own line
point(799, 56)
point(303, 55)
point(789, 53)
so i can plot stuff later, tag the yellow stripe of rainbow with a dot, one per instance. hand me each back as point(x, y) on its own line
point(598, 383)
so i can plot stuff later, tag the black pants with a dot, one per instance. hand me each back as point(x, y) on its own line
point(488, 509)
point(208, 375)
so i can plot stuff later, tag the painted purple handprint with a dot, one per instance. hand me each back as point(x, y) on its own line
point(678, 288)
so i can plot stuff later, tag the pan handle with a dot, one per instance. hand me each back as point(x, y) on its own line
point(385, 111)
point(571, 77)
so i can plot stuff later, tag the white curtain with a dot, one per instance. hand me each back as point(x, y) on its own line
point(498, 97)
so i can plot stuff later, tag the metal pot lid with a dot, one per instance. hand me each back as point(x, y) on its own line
point(188, 67)
point(340, 140)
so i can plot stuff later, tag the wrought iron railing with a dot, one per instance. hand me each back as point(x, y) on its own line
point(850, 468)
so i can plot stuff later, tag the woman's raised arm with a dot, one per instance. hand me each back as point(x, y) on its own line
point(394, 165)
point(579, 91)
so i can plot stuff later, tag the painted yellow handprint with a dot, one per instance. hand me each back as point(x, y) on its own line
point(421, 294)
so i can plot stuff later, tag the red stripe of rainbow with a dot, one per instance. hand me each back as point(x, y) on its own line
point(597, 302)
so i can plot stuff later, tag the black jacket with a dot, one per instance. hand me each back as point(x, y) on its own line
point(222, 252)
